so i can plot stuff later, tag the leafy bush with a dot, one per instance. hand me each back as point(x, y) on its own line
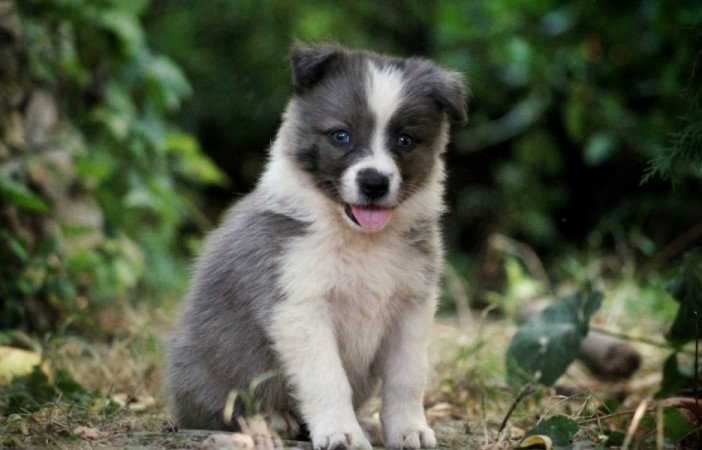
point(570, 103)
point(125, 154)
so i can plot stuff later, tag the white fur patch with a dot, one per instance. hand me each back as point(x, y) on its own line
point(343, 292)
point(384, 93)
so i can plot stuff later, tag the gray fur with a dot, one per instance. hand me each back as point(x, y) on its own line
point(223, 320)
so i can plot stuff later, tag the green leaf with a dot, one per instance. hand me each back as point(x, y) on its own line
point(675, 425)
point(543, 347)
point(560, 429)
point(674, 378)
point(688, 292)
point(15, 246)
point(598, 149)
point(191, 163)
point(17, 194)
point(125, 27)
point(167, 83)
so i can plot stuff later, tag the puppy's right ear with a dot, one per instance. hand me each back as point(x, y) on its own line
point(310, 63)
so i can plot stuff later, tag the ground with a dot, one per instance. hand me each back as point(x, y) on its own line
point(467, 398)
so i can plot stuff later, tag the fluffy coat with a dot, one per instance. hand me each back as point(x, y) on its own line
point(327, 273)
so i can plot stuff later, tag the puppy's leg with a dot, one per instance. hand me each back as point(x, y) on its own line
point(404, 368)
point(303, 337)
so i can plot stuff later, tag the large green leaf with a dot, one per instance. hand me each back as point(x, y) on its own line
point(543, 347)
point(676, 377)
point(560, 429)
point(676, 426)
point(688, 292)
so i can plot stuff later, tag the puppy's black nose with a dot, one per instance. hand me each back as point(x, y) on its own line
point(373, 183)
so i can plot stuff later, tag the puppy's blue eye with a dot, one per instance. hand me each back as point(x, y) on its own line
point(405, 142)
point(340, 137)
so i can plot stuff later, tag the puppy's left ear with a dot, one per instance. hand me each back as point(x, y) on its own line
point(450, 92)
point(311, 63)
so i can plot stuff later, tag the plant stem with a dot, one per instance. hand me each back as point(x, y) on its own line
point(695, 391)
point(635, 421)
point(609, 416)
point(640, 339)
point(526, 390)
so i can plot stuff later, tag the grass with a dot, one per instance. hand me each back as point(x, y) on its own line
point(122, 402)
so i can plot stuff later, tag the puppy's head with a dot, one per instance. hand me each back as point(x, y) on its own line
point(370, 129)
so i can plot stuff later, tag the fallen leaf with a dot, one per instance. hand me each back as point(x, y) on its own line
point(136, 403)
point(91, 433)
point(540, 441)
point(443, 410)
point(17, 362)
point(48, 415)
point(15, 422)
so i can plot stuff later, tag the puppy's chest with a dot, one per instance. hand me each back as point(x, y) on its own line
point(362, 286)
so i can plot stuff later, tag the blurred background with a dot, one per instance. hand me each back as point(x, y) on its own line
point(128, 126)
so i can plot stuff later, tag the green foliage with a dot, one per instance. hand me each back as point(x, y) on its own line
point(682, 158)
point(564, 94)
point(544, 346)
point(140, 168)
point(248, 401)
point(560, 429)
point(678, 371)
point(675, 426)
point(570, 100)
point(676, 376)
point(35, 391)
point(687, 290)
point(39, 274)
point(17, 194)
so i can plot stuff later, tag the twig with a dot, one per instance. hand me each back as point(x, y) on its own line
point(528, 389)
point(608, 416)
point(638, 415)
point(527, 254)
point(660, 429)
point(679, 245)
point(518, 119)
point(640, 339)
point(457, 288)
point(695, 391)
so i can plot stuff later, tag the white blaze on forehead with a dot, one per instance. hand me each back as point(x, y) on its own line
point(385, 90)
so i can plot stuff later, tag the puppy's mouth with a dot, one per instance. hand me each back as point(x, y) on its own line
point(368, 217)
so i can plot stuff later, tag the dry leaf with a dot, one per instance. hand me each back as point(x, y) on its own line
point(17, 362)
point(540, 441)
point(443, 410)
point(91, 433)
point(136, 403)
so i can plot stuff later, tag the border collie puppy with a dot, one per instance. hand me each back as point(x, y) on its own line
point(326, 274)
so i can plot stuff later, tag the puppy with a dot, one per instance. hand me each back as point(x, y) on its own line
point(326, 274)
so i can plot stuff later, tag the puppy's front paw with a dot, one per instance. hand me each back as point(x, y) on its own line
point(411, 438)
point(340, 440)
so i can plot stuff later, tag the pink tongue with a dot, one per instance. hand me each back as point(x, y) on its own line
point(371, 218)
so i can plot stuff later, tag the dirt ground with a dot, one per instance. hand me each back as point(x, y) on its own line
point(466, 400)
